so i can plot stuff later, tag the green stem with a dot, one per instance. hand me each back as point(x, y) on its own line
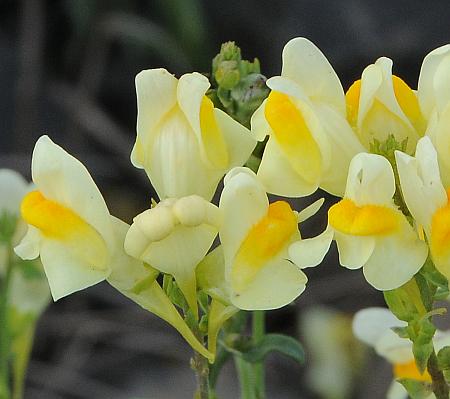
point(439, 385)
point(201, 367)
point(246, 378)
point(258, 331)
point(4, 331)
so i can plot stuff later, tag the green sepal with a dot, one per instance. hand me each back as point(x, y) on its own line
point(402, 332)
point(400, 304)
point(443, 357)
point(436, 280)
point(416, 389)
point(421, 333)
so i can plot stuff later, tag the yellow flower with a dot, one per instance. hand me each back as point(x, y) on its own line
point(434, 96)
point(381, 104)
point(370, 231)
point(173, 237)
point(373, 326)
point(184, 144)
point(427, 199)
point(310, 141)
point(262, 247)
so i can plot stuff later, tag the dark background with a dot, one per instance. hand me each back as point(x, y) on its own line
point(67, 69)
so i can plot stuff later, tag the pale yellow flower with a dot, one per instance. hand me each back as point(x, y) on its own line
point(310, 141)
point(427, 199)
point(381, 104)
point(370, 231)
point(185, 144)
point(262, 248)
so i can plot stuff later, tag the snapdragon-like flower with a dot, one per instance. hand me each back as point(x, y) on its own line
point(373, 326)
point(381, 104)
point(310, 141)
point(427, 200)
point(434, 96)
point(173, 237)
point(370, 231)
point(262, 248)
point(185, 144)
point(80, 243)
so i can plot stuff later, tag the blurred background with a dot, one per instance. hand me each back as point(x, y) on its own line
point(67, 70)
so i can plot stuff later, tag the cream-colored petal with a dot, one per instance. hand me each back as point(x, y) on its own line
point(13, 188)
point(371, 80)
point(279, 177)
point(370, 180)
point(306, 65)
point(66, 274)
point(260, 128)
point(354, 251)
point(310, 210)
point(62, 178)
point(441, 140)
point(396, 391)
point(420, 182)
point(426, 86)
point(156, 96)
point(239, 141)
point(243, 204)
point(289, 87)
point(393, 348)
point(277, 284)
point(176, 168)
point(395, 259)
point(345, 145)
point(311, 251)
point(29, 247)
point(370, 324)
point(441, 83)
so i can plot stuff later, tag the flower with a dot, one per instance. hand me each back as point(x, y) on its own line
point(433, 93)
point(427, 199)
point(184, 144)
point(262, 247)
point(381, 104)
point(370, 231)
point(173, 237)
point(80, 243)
point(373, 326)
point(310, 141)
point(69, 224)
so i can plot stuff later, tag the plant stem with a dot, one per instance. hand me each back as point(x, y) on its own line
point(4, 331)
point(246, 378)
point(201, 367)
point(439, 385)
point(258, 331)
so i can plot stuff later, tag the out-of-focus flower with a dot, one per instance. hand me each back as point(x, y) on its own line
point(310, 141)
point(434, 96)
point(373, 326)
point(335, 355)
point(370, 231)
point(185, 144)
point(381, 104)
point(427, 199)
point(173, 237)
point(262, 267)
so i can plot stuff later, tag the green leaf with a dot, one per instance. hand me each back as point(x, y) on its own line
point(400, 304)
point(421, 333)
point(443, 357)
point(416, 389)
point(284, 344)
point(402, 332)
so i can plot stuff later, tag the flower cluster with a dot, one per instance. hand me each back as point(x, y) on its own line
point(382, 147)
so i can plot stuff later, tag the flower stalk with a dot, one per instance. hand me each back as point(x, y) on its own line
point(4, 330)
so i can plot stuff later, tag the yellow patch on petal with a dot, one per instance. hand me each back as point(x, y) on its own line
point(293, 136)
point(57, 222)
point(263, 242)
point(367, 220)
point(409, 103)
point(213, 141)
point(440, 231)
point(352, 101)
point(409, 370)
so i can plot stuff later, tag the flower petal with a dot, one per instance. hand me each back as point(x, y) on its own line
point(260, 128)
point(279, 283)
point(311, 251)
point(156, 96)
point(16, 186)
point(395, 259)
point(306, 65)
point(29, 247)
point(354, 251)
